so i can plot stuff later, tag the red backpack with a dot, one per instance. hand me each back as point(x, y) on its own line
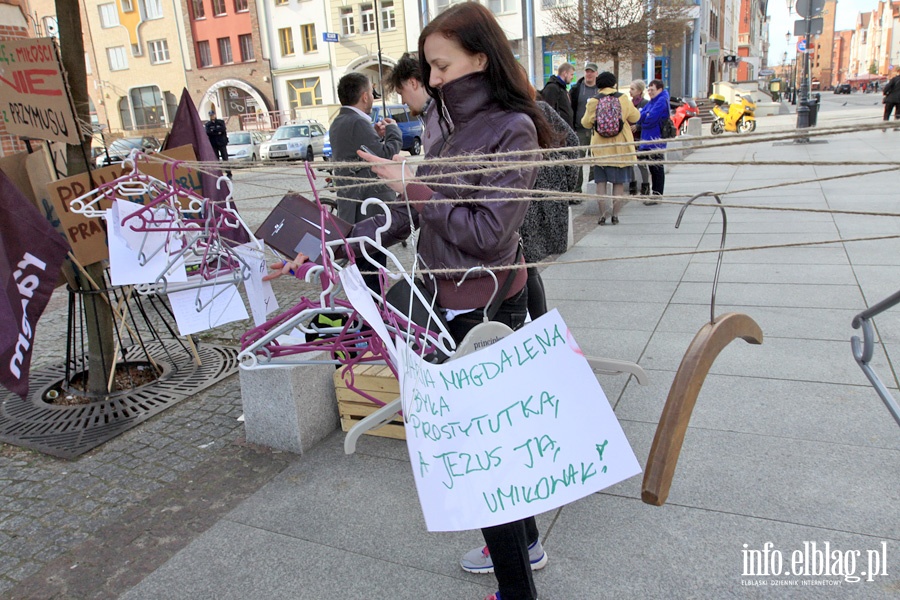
point(608, 117)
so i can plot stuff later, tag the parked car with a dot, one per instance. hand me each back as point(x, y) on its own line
point(843, 88)
point(326, 147)
point(411, 127)
point(300, 141)
point(118, 150)
point(244, 145)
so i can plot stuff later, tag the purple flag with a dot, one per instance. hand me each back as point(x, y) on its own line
point(31, 254)
point(187, 128)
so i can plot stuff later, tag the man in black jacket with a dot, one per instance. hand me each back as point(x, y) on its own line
point(892, 99)
point(581, 92)
point(556, 93)
point(217, 133)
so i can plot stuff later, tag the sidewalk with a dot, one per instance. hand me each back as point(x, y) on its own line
point(788, 443)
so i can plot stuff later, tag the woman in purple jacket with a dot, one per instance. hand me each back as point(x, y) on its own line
point(482, 106)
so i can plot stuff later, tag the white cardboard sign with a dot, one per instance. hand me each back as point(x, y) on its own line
point(516, 429)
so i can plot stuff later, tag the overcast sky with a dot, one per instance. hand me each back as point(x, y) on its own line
point(780, 23)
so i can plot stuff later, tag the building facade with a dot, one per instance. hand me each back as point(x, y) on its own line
point(227, 69)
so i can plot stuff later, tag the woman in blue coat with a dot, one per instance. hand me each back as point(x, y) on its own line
point(652, 117)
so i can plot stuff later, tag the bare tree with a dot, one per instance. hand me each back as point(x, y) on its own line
point(618, 30)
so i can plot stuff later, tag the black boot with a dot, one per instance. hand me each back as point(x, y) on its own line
point(632, 188)
point(645, 189)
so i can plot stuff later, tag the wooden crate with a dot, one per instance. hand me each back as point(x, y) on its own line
point(377, 381)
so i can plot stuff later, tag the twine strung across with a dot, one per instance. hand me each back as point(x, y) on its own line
point(580, 261)
point(686, 143)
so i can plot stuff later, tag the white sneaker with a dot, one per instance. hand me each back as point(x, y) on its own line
point(478, 560)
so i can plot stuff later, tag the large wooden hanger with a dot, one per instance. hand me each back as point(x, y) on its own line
point(705, 347)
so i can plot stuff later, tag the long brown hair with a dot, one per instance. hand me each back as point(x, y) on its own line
point(476, 30)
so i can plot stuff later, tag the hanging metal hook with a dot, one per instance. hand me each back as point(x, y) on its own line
point(496, 286)
point(712, 303)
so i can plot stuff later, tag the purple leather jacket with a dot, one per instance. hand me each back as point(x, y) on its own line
point(481, 228)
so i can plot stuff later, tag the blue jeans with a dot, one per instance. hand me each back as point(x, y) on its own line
point(507, 543)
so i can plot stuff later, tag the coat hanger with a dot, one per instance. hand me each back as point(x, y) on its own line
point(864, 349)
point(712, 338)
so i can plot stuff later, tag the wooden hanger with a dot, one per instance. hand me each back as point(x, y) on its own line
point(712, 338)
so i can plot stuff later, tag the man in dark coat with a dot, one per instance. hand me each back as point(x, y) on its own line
point(556, 93)
point(350, 130)
point(892, 98)
point(217, 133)
point(582, 91)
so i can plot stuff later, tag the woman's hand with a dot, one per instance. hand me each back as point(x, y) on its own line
point(390, 170)
point(286, 267)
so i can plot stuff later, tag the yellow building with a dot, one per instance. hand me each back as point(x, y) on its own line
point(140, 67)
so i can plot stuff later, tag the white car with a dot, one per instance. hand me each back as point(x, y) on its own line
point(301, 141)
point(244, 145)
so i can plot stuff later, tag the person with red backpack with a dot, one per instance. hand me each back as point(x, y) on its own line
point(609, 115)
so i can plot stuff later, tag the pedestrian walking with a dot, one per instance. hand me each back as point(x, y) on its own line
point(641, 173)
point(583, 90)
point(652, 148)
point(545, 230)
point(892, 98)
point(556, 93)
point(217, 132)
point(609, 116)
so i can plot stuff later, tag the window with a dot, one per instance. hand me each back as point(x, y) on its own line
point(199, 11)
point(286, 38)
point(367, 18)
point(281, 2)
point(204, 56)
point(218, 7)
point(109, 16)
point(388, 19)
point(246, 43)
point(348, 27)
point(309, 38)
point(125, 114)
point(118, 60)
point(171, 105)
point(127, 6)
point(501, 6)
point(151, 9)
point(137, 50)
point(304, 92)
point(87, 64)
point(148, 106)
point(442, 4)
point(225, 56)
point(241, 5)
point(159, 51)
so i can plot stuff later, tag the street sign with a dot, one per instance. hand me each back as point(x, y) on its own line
point(712, 48)
point(801, 46)
point(329, 37)
point(815, 26)
point(766, 72)
point(809, 8)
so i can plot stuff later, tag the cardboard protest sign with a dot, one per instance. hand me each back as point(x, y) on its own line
point(516, 429)
point(86, 235)
point(33, 97)
point(31, 254)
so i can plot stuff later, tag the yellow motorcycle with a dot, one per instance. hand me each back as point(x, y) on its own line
point(737, 116)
